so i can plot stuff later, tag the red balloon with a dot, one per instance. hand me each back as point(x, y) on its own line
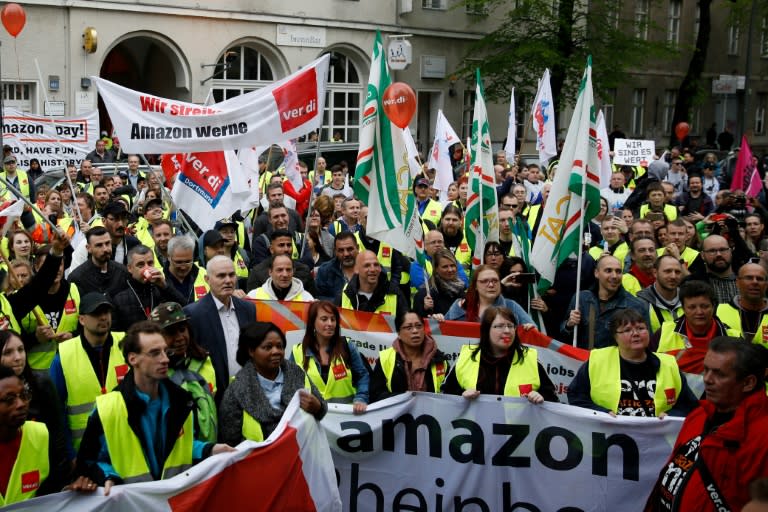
point(13, 18)
point(399, 103)
point(681, 130)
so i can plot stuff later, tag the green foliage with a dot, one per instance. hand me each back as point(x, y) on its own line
point(559, 35)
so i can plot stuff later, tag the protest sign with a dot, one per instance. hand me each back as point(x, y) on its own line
point(286, 109)
point(633, 152)
point(54, 142)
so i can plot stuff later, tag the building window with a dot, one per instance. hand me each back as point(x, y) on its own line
point(608, 109)
point(240, 69)
point(476, 7)
point(764, 38)
point(468, 109)
point(762, 100)
point(673, 32)
point(733, 39)
point(638, 111)
point(641, 18)
point(670, 97)
point(614, 13)
point(345, 94)
point(434, 4)
point(696, 23)
point(19, 95)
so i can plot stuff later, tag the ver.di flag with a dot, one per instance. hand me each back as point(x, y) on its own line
point(286, 109)
point(544, 120)
point(745, 176)
point(481, 220)
point(567, 208)
point(440, 156)
point(382, 176)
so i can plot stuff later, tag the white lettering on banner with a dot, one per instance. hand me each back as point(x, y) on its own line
point(633, 152)
point(284, 110)
point(495, 454)
point(54, 143)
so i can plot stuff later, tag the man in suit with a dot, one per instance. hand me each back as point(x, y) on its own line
point(217, 318)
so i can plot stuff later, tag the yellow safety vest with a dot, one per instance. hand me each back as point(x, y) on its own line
point(327, 174)
point(23, 185)
point(387, 358)
point(262, 294)
point(658, 316)
point(631, 284)
point(463, 254)
point(7, 318)
point(252, 428)
point(522, 375)
point(40, 356)
point(670, 340)
point(241, 269)
point(670, 212)
point(83, 384)
point(533, 212)
point(688, 255)
point(124, 446)
point(339, 388)
point(389, 305)
point(432, 212)
point(605, 380)
point(31, 467)
point(731, 316)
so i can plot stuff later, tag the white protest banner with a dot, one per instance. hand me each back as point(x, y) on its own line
point(286, 109)
point(420, 451)
point(633, 152)
point(55, 143)
point(291, 470)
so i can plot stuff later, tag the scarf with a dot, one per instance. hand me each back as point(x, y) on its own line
point(416, 371)
point(643, 278)
point(453, 288)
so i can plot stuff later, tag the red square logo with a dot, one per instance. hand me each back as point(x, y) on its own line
point(121, 371)
point(339, 372)
point(670, 395)
point(385, 252)
point(525, 389)
point(297, 100)
point(200, 291)
point(440, 369)
point(30, 482)
point(69, 307)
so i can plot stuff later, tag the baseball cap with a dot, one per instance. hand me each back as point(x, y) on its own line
point(211, 238)
point(421, 181)
point(9, 159)
point(229, 221)
point(167, 314)
point(93, 301)
point(153, 203)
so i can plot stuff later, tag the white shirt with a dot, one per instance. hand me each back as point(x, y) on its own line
point(231, 329)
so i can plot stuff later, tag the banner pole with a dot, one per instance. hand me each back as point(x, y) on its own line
point(578, 255)
point(167, 196)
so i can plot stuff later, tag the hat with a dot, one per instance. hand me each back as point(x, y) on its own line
point(421, 181)
point(225, 222)
point(211, 238)
point(167, 314)
point(9, 159)
point(153, 203)
point(93, 301)
point(115, 208)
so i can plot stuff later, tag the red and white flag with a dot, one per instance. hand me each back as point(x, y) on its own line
point(746, 176)
point(291, 470)
point(603, 149)
point(9, 212)
point(544, 120)
point(440, 156)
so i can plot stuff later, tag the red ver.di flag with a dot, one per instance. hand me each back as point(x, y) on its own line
point(208, 185)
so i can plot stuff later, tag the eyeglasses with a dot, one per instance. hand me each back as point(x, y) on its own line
point(488, 281)
point(502, 327)
point(24, 396)
point(717, 250)
point(634, 330)
point(412, 327)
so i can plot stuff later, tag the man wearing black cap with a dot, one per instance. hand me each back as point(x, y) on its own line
point(227, 228)
point(115, 217)
point(211, 244)
point(429, 209)
point(87, 366)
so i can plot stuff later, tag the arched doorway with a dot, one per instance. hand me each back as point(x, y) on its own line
point(145, 62)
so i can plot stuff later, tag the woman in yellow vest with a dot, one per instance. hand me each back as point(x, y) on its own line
point(412, 363)
point(628, 379)
point(500, 364)
point(256, 400)
point(331, 362)
point(43, 407)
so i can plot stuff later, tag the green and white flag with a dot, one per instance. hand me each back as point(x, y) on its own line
point(575, 194)
point(481, 220)
point(382, 177)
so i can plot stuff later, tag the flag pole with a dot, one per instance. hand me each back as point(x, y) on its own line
point(29, 203)
point(578, 256)
point(311, 188)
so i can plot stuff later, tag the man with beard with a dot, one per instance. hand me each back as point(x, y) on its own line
point(663, 295)
point(142, 290)
point(100, 197)
point(717, 256)
point(333, 275)
point(115, 219)
point(279, 218)
point(451, 225)
point(747, 312)
point(99, 273)
point(640, 275)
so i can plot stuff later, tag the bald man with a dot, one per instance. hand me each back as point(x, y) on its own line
point(368, 290)
point(747, 312)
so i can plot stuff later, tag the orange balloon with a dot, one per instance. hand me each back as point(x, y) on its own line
point(13, 18)
point(399, 103)
point(681, 130)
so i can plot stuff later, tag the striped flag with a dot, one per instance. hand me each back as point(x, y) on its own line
point(544, 120)
point(575, 194)
point(382, 176)
point(481, 221)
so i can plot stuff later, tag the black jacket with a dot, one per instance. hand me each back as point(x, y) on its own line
point(89, 278)
point(136, 299)
point(360, 303)
point(182, 404)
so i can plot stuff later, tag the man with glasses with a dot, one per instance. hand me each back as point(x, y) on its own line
point(182, 272)
point(598, 304)
point(747, 312)
point(677, 176)
point(144, 430)
point(718, 270)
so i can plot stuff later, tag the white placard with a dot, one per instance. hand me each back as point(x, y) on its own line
point(633, 151)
